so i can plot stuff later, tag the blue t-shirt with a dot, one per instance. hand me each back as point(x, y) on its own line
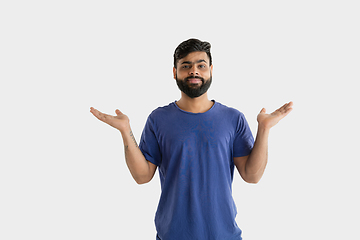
point(194, 153)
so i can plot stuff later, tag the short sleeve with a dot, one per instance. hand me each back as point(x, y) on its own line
point(244, 140)
point(149, 145)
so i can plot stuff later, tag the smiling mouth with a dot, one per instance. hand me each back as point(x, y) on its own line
point(194, 80)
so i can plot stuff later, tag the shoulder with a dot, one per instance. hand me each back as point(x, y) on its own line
point(161, 114)
point(229, 111)
point(161, 111)
point(162, 118)
point(231, 116)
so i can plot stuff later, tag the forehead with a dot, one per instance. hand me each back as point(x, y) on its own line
point(195, 57)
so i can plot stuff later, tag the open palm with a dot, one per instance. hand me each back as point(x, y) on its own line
point(120, 121)
point(270, 120)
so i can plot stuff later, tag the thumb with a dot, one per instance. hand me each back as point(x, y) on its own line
point(263, 110)
point(117, 111)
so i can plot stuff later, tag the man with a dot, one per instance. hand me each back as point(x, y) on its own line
point(196, 144)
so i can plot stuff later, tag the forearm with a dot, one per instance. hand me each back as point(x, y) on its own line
point(135, 160)
point(256, 163)
point(252, 167)
point(141, 170)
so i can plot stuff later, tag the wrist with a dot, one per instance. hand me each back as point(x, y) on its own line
point(263, 129)
point(125, 129)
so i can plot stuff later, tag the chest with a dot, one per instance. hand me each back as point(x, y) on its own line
point(195, 134)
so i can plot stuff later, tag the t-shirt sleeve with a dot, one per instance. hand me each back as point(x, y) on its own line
point(149, 145)
point(244, 140)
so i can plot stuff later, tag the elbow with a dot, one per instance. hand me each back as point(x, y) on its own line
point(142, 180)
point(250, 179)
point(253, 180)
point(143, 176)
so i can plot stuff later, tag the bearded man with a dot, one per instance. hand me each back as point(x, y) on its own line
point(196, 143)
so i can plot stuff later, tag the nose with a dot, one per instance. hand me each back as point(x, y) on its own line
point(194, 71)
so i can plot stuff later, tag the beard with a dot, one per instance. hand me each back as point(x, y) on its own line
point(193, 90)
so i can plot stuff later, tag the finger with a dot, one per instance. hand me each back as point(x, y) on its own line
point(288, 107)
point(284, 114)
point(118, 112)
point(93, 110)
point(101, 116)
point(96, 113)
point(285, 107)
point(263, 110)
point(286, 110)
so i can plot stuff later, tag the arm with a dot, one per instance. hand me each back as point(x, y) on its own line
point(141, 170)
point(252, 167)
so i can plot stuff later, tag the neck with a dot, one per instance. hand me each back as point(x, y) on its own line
point(195, 105)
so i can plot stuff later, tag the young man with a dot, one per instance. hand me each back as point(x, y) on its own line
point(196, 144)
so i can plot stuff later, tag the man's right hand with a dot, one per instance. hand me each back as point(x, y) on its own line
point(120, 121)
point(141, 169)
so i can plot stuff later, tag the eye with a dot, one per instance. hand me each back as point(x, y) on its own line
point(202, 66)
point(185, 66)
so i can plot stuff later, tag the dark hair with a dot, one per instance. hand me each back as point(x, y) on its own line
point(191, 45)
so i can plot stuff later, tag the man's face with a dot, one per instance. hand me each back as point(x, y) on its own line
point(193, 74)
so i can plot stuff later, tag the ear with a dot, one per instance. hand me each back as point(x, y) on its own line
point(174, 72)
point(211, 69)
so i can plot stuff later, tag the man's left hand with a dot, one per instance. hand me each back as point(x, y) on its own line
point(267, 121)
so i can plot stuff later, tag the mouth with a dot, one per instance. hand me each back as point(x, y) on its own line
point(194, 80)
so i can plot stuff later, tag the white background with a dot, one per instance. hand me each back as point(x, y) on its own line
point(62, 172)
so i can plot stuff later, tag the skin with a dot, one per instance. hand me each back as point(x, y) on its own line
point(194, 64)
point(251, 167)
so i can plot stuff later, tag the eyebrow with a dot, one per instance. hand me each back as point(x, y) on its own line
point(198, 61)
